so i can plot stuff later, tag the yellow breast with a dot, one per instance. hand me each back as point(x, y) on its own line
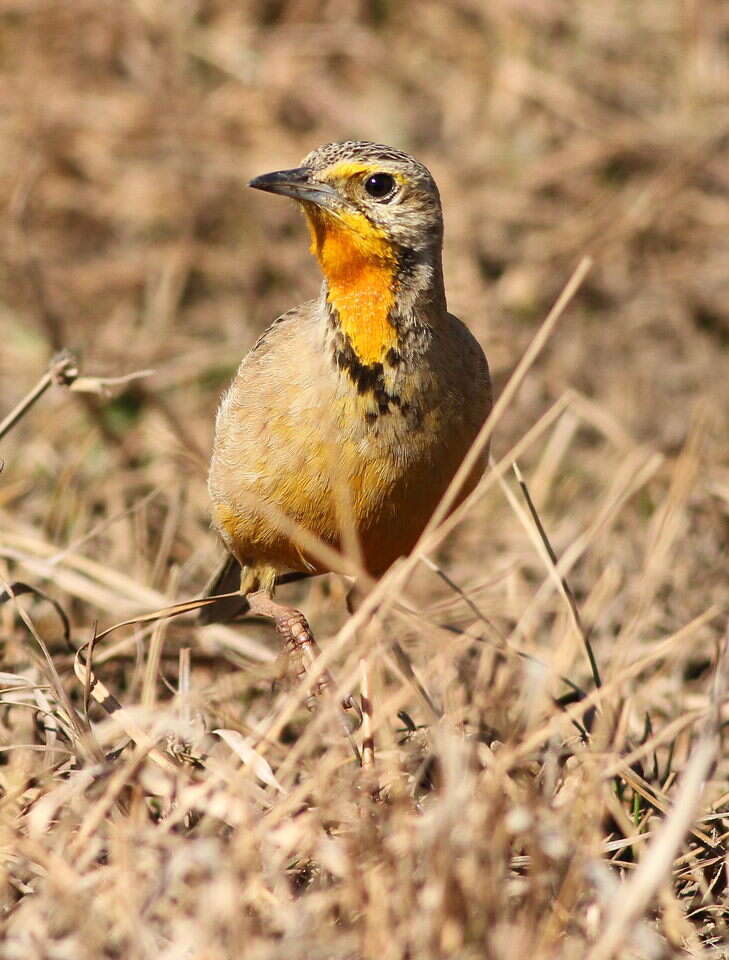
point(359, 265)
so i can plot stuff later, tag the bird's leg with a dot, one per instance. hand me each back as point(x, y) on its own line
point(292, 627)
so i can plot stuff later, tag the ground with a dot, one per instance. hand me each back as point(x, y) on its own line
point(510, 822)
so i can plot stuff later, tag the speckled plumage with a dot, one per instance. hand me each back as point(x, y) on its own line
point(364, 400)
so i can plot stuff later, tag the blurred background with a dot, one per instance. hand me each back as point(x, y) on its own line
point(555, 129)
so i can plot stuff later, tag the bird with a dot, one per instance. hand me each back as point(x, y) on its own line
point(351, 414)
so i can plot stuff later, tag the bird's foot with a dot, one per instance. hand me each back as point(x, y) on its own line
point(295, 632)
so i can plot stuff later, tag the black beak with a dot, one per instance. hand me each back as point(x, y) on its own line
point(298, 184)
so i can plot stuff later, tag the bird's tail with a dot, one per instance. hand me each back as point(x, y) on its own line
point(225, 580)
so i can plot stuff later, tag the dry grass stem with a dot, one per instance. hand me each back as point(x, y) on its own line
point(164, 789)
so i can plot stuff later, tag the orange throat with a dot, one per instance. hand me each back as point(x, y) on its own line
point(359, 266)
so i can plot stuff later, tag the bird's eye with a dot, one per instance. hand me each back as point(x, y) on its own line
point(380, 185)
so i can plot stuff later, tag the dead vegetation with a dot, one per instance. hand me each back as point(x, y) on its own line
point(539, 816)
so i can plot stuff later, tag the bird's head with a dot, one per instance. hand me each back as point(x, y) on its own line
point(380, 200)
point(377, 230)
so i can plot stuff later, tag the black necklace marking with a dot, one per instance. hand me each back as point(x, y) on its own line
point(367, 377)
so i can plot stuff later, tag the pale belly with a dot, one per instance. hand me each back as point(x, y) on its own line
point(379, 490)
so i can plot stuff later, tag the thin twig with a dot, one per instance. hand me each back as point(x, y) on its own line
point(102, 385)
point(438, 571)
point(62, 370)
point(567, 590)
point(368, 741)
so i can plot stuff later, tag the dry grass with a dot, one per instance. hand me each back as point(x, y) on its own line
point(556, 130)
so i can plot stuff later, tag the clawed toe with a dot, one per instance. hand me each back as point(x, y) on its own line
point(294, 630)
